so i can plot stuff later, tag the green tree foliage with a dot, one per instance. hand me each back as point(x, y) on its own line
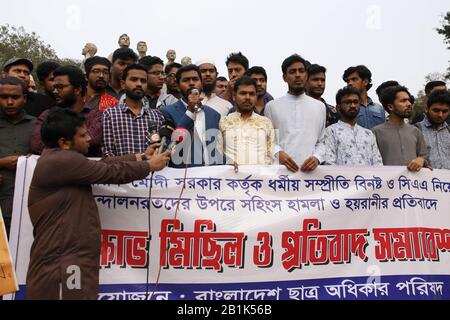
point(16, 42)
point(445, 31)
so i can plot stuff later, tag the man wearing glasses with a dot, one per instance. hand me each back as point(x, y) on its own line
point(70, 92)
point(156, 80)
point(345, 143)
point(98, 76)
point(171, 80)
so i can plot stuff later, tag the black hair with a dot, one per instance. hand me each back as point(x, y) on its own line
point(389, 95)
point(60, 123)
point(133, 67)
point(291, 60)
point(13, 81)
point(238, 58)
point(190, 67)
point(221, 79)
point(362, 71)
point(439, 96)
point(170, 66)
point(315, 69)
point(256, 70)
point(433, 84)
point(45, 68)
point(244, 81)
point(386, 84)
point(149, 61)
point(76, 77)
point(124, 54)
point(92, 61)
point(346, 91)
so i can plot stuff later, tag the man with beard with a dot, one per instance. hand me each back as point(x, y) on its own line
point(46, 78)
point(400, 144)
point(208, 73)
point(315, 87)
point(298, 119)
point(98, 75)
point(346, 143)
point(69, 90)
point(436, 130)
point(121, 58)
point(259, 74)
point(156, 80)
point(16, 127)
point(126, 126)
point(246, 137)
point(201, 121)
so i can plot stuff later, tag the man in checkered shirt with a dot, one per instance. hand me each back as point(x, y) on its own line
point(126, 126)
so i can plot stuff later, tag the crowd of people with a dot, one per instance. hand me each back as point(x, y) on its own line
point(109, 110)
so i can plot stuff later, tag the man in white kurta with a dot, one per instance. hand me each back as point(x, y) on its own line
point(298, 120)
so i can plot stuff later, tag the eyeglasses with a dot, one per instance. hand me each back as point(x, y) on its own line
point(158, 73)
point(98, 72)
point(60, 86)
point(171, 76)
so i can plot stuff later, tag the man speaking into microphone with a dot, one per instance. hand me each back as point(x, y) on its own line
point(64, 214)
point(202, 122)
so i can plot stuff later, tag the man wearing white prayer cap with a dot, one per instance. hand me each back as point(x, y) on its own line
point(209, 74)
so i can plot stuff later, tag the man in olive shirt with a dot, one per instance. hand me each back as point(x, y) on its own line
point(400, 144)
point(16, 127)
point(64, 214)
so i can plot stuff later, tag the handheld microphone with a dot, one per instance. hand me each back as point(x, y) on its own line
point(165, 132)
point(153, 136)
point(178, 136)
point(198, 107)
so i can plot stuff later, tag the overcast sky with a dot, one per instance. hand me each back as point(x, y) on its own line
point(395, 39)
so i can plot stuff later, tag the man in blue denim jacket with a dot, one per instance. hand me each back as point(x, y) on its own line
point(370, 114)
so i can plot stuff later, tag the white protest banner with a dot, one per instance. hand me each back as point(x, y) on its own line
point(267, 234)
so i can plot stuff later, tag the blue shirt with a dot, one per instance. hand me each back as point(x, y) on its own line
point(371, 115)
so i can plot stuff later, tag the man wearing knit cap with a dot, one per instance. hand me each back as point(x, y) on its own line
point(98, 76)
point(209, 73)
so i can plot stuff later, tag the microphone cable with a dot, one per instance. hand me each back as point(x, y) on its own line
point(183, 188)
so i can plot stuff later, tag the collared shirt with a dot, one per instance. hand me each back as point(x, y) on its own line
point(344, 145)
point(93, 126)
point(246, 141)
point(438, 143)
point(332, 113)
point(15, 139)
point(222, 106)
point(266, 98)
point(299, 122)
point(124, 132)
point(399, 145)
point(110, 90)
point(371, 115)
point(161, 100)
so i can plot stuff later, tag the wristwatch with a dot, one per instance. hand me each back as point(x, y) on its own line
point(144, 157)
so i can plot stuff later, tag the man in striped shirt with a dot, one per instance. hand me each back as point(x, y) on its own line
point(126, 126)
